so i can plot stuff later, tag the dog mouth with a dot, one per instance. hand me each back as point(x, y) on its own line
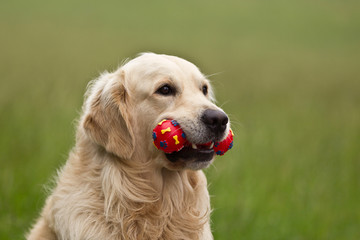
point(200, 152)
point(169, 137)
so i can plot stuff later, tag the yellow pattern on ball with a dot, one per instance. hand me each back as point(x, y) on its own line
point(161, 122)
point(176, 139)
point(165, 130)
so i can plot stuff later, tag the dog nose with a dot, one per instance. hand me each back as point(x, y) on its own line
point(215, 120)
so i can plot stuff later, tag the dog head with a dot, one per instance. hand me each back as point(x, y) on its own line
point(123, 107)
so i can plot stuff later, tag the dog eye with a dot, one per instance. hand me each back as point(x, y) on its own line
point(205, 90)
point(165, 90)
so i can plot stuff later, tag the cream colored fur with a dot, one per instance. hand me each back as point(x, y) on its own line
point(115, 183)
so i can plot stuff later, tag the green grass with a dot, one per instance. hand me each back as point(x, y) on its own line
point(289, 78)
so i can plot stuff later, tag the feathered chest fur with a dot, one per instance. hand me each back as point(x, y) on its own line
point(117, 200)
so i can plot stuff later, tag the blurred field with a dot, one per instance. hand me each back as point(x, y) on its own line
point(288, 75)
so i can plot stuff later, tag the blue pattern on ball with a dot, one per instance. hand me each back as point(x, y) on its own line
point(154, 135)
point(183, 135)
point(163, 144)
point(219, 152)
point(175, 123)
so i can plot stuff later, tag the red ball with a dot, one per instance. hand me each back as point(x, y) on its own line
point(222, 147)
point(168, 136)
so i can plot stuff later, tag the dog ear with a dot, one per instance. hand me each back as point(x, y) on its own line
point(107, 119)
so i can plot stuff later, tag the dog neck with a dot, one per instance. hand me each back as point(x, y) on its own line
point(146, 200)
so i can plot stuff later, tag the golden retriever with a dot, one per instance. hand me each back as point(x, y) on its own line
point(116, 184)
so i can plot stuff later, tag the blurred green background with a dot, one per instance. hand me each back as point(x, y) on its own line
point(287, 72)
